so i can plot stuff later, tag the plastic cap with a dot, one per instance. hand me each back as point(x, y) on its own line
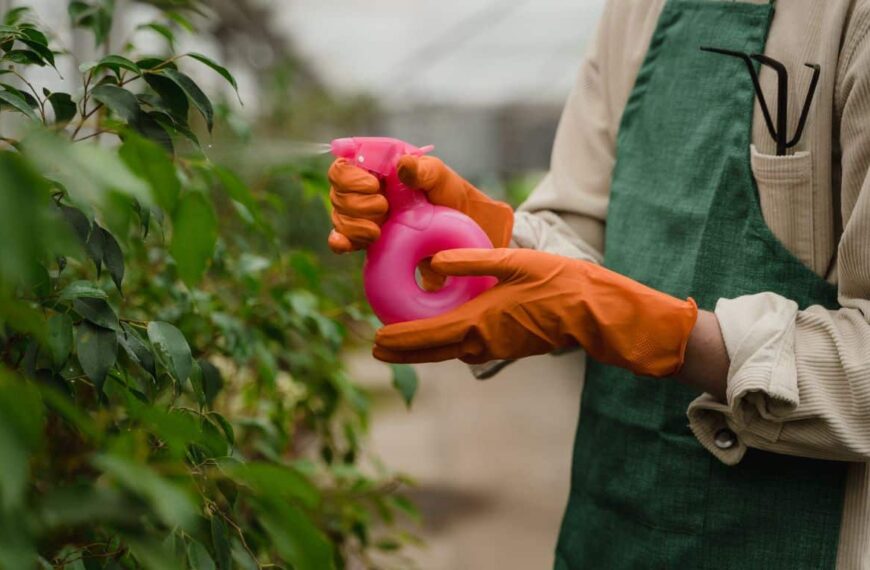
point(344, 148)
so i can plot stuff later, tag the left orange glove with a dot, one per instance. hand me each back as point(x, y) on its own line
point(544, 302)
point(359, 207)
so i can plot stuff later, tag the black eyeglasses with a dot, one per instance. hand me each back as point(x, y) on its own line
point(780, 131)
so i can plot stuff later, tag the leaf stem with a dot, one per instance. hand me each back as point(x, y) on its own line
point(83, 110)
point(33, 90)
point(94, 135)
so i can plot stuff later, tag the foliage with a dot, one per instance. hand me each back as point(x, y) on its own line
point(171, 393)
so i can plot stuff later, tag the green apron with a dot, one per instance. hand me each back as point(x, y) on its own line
point(684, 218)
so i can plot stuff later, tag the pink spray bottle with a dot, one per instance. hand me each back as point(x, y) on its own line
point(415, 229)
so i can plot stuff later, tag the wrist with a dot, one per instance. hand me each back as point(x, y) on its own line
point(706, 362)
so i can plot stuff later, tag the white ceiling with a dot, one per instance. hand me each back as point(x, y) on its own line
point(443, 51)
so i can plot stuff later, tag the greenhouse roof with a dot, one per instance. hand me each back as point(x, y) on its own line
point(472, 52)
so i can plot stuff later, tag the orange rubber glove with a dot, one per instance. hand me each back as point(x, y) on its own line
point(544, 302)
point(359, 207)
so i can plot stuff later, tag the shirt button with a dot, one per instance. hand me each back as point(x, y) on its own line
point(725, 439)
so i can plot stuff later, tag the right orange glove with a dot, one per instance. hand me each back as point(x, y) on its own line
point(544, 302)
point(359, 207)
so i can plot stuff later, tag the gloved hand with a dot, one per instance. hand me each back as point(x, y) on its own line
point(359, 207)
point(544, 302)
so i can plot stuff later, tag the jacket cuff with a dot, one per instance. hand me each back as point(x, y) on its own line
point(546, 231)
point(762, 389)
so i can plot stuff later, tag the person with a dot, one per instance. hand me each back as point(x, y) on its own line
point(703, 274)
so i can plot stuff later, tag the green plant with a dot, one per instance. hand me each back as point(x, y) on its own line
point(171, 389)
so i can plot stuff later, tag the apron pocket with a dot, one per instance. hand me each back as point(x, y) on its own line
point(785, 191)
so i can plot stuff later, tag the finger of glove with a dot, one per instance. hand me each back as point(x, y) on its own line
point(371, 206)
point(431, 175)
point(340, 243)
point(439, 354)
point(460, 262)
point(431, 279)
point(358, 230)
point(345, 176)
point(456, 326)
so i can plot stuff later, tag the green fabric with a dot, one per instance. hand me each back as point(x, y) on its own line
point(684, 219)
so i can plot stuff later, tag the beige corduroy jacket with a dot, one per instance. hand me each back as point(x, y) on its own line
point(799, 381)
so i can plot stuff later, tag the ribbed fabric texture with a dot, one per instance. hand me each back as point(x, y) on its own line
point(800, 380)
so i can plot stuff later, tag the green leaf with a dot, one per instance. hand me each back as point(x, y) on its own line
point(194, 236)
point(193, 92)
point(15, 15)
point(21, 414)
point(16, 550)
point(161, 30)
point(79, 289)
point(279, 482)
point(122, 103)
point(226, 427)
point(155, 62)
point(63, 405)
point(152, 128)
point(89, 172)
point(40, 281)
point(220, 542)
point(94, 247)
point(96, 18)
point(294, 536)
point(388, 545)
point(150, 162)
point(198, 557)
point(171, 95)
point(59, 339)
point(212, 382)
point(26, 95)
point(222, 71)
point(23, 199)
point(137, 350)
point(24, 57)
point(36, 41)
point(97, 350)
point(170, 502)
point(179, 429)
point(17, 102)
point(98, 312)
point(113, 257)
point(171, 125)
point(238, 191)
point(405, 381)
point(65, 109)
point(149, 554)
point(172, 349)
point(116, 63)
point(77, 221)
point(406, 506)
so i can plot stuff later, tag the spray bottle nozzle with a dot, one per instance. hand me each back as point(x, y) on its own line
point(378, 155)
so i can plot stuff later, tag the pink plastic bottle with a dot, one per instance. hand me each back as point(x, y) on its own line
point(415, 230)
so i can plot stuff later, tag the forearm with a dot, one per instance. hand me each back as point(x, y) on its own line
point(706, 364)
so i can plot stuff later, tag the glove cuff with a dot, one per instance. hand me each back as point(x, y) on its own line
point(494, 217)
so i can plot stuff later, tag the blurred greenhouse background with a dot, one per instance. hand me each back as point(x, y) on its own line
point(482, 80)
